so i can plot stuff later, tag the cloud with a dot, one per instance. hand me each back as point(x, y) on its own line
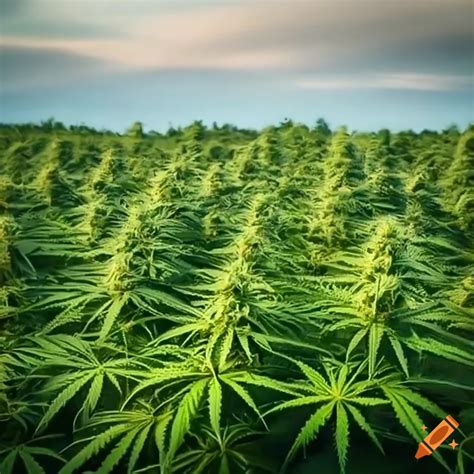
point(22, 67)
point(140, 55)
point(409, 81)
point(112, 61)
point(304, 45)
point(286, 35)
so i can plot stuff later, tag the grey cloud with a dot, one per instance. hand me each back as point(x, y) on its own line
point(294, 37)
point(62, 19)
point(385, 35)
point(306, 23)
point(22, 67)
point(47, 28)
point(11, 8)
point(444, 55)
point(448, 54)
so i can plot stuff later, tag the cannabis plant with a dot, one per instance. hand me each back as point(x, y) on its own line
point(232, 301)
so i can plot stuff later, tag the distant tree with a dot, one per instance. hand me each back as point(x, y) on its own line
point(322, 127)
point(196, 130)
point(452, 129)
point(47, 124)
point(83, 129)
point(286, 123)
point(51, 124)
point(172, 132)
point(384, 136)
point(135, 130)
point(227, 127)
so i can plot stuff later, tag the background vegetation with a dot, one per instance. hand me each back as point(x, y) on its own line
point(224, 301)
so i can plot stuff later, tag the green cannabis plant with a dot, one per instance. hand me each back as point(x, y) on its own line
point(217, 300)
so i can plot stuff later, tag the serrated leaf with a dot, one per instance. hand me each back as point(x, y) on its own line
point(63, 398)
point(310, 430)
point(118, 452)
point(111, 315)
point(215, 406)
point(376, 332)
point(342, 435)
point(187, 410)
point(138, 447)
point(32, 466)
point(362, 422)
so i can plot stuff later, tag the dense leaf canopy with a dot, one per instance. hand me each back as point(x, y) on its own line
point(226, 301)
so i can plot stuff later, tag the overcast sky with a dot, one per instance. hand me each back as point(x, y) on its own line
point(365, 63)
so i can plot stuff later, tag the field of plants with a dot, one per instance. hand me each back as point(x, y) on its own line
point(218, 300)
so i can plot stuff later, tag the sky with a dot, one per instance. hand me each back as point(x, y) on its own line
point(368, 64)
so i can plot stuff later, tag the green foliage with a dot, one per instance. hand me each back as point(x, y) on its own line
point(459, 182)
point(169, 302)
point(135, 130)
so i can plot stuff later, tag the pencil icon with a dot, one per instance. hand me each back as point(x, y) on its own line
point(436, 437)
